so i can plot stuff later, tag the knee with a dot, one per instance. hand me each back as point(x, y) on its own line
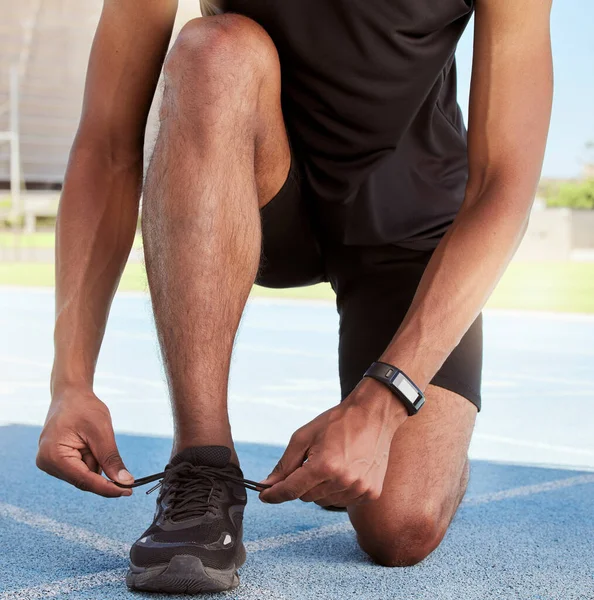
point(403, 543)
point(222, 53)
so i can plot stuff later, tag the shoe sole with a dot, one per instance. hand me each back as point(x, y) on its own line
point(184, 574)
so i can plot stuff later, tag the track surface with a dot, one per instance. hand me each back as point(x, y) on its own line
point(525, 530)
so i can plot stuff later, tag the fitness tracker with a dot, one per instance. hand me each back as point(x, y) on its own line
point(399, 384)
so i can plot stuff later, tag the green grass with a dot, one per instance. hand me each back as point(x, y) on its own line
point(555, 286)
point(47, 240)
point(552, 286)
point(26, 240)
point(42, 275)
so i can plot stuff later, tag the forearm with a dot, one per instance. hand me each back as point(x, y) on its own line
point(459, 279)
point(95, 231)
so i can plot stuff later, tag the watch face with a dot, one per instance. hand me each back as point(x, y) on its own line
point(406, 388)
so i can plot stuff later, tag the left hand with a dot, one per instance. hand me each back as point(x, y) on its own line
point(341, 457)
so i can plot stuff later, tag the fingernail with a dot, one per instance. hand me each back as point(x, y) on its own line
point(127, 493)
point(125, 477)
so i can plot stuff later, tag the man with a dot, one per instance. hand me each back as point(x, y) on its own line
point(325, 134)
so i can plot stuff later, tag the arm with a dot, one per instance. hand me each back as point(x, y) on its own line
point(96, 226)
point(509, 117)
point(510, 107)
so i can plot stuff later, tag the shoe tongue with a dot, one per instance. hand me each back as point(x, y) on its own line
point(208, 456)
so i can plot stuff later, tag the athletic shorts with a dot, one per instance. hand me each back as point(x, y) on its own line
point(374, 286)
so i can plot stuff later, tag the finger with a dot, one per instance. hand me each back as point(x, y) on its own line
point(324, 489)
point(292, 459)
point(343, 499)
point(108, 457)
point(91, 462)
point(357, 494)
point(294, 486)
point(337, 492)
point(75, 471)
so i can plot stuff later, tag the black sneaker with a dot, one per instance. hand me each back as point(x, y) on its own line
point(195, 542)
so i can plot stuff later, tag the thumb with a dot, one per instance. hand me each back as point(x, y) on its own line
point(108, 457)
point(292, 459)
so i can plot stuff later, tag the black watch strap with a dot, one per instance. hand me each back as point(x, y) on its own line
point(399, 384)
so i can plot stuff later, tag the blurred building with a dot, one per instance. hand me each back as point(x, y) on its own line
point(49, 41)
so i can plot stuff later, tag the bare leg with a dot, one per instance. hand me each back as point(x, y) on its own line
point(221, 153)
point(425, 483)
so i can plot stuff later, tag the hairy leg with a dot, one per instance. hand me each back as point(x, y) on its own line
point(426, 480)
point(221, 153)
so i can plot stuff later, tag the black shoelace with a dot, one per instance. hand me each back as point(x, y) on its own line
point(193, 488)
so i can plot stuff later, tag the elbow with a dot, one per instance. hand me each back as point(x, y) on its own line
point(509, 190)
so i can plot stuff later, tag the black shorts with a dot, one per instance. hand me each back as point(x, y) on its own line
point(374, 288)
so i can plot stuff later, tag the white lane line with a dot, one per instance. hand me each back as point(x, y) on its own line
point(66, 586)
point(287, 403)
point(529, 490)
point(304, 385)
point(96, 541)
point(287, 539)
point(104, 544)
point(244, 347)
point(264, 301)
point(156, 383)
point(26, 362)
point(517, 395)
point(556, 380)
point(540, 314)
point(527, 444)
point(328, 530)
point(68, 532)
point(568, 350)
point(272, 349)
point(81, 583)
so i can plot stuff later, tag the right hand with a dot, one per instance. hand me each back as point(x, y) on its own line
point(77, 443)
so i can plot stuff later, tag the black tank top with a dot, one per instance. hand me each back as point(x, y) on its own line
point(369, 95)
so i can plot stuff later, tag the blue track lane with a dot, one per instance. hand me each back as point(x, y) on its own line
point(525, 531)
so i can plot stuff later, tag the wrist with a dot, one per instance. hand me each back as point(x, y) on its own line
point(377, 399)
point(72, 367)
point(420, 363)
point(61, 383)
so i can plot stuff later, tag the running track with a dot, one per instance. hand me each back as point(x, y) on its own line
point(525, 530)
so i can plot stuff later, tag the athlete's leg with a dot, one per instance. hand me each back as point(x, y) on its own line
point(221, 153)
point(426, 480)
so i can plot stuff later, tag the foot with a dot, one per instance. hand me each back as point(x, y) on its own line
point(194, 544)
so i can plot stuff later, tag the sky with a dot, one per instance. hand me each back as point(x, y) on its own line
point(572, 123)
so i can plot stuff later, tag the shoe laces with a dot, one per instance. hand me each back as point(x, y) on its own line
point(192, 489)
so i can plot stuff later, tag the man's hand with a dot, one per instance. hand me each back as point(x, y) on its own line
point(340, 458)
point(78, 442)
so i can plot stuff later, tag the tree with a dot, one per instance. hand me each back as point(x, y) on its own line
point(574, 195)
